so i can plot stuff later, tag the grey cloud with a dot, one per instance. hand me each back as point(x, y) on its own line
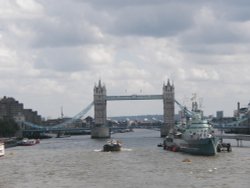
point(66, 24)
point(233, 10)
point(114, 4)
point(238, 13)
point(146, 18)
point(58, 25)
point(73, 24)
point(62, 60)
point(219, 36)
point(218, 33)
point(157, 18)
point(120, 4)
point(62, 34)
point(148, 21)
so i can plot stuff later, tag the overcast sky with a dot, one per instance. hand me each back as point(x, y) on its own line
point(53, 52)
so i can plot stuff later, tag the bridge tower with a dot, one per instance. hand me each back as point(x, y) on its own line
point(168, 108)
point(100, 129)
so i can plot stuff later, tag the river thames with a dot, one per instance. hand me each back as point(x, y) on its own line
point(76, 162)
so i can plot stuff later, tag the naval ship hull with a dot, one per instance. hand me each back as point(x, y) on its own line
point(205, 146)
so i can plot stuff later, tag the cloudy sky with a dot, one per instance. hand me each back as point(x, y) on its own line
point(53, 52)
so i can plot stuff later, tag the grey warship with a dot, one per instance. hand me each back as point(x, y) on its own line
point(196, 137)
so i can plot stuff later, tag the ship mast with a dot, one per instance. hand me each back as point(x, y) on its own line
point(62, 112)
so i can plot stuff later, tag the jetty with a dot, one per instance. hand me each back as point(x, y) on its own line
point(238, 137)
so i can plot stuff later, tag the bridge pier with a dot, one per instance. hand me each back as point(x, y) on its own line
point(239, 142)
point(100, 129)
point(168, 109)
point(100, 132)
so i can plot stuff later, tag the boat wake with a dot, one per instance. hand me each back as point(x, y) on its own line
point(126, 149)
point(98, 150)
point(122, 149)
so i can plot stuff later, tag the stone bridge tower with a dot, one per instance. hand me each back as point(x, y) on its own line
point(100, 130)
point(168, 109)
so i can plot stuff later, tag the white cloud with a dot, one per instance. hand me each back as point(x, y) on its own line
point(29, 5)
point(202, 74)
point(100, 54)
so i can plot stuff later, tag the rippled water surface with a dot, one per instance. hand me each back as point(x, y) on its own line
point(77, 162)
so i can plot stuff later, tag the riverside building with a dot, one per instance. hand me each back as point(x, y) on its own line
point(13, 109)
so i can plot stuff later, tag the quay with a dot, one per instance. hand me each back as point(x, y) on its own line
point(238, 137)
point(9, 142)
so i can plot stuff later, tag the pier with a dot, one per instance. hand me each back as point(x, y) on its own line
point(238, 137)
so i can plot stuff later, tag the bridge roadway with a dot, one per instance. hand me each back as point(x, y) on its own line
point(57, 130)
point(84, 129)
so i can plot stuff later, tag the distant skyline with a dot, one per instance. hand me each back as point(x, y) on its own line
point(53, 52)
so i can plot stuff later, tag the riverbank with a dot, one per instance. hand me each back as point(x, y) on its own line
point(10, 142)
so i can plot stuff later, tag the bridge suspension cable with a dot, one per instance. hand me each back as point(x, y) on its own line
point(63, 124)
point(29, 124)
point(184, 108)
point(77, 116)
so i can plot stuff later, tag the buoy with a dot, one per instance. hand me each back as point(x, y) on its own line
point(174, 149)
point(186, 160)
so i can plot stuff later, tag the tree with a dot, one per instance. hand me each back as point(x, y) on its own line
point(8, 128)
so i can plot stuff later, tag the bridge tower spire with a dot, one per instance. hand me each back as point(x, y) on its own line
point(100, 130)
point(168, 108)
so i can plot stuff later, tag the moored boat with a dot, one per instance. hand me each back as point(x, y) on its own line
point(112, 145)
point(2, 149)
point(28, 142)
point(10, 142)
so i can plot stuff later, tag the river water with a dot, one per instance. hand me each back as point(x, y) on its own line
point(77, 162)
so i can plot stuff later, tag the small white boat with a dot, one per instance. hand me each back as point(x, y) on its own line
point(2, 149)
point(28, 142)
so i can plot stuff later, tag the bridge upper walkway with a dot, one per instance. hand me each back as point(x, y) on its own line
point(134, 97)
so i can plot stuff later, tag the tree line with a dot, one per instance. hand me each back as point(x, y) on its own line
point(8, 128)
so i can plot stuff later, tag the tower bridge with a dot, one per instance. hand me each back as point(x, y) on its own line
point(100, 130)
